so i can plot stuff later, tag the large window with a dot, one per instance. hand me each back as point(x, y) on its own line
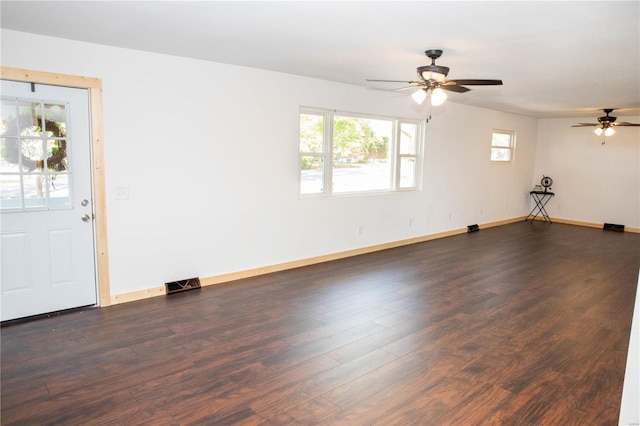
point(346, 153)
point(502, 144)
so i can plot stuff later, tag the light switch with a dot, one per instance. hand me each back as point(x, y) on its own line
point(122, 193)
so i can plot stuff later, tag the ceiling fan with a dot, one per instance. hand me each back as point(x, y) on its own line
point(605, 124)
point(433, 81)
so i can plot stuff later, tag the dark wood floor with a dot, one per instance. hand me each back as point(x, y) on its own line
point(520, 324)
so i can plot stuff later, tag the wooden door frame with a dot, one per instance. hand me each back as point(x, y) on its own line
point(94, 85)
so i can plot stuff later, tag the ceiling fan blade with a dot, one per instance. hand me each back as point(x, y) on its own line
point(389, 92)
point(624, 123)
point(476, 82)
point(380, 89)
point(394, 81)
point(400, 89)
point(454, 88)
point(586, 125)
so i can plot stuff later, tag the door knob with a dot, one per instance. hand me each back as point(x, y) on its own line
point(86, 218)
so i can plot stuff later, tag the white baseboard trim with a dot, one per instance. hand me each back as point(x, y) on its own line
point(138, 295)
point(587, 224)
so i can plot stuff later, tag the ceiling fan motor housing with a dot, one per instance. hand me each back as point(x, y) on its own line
point(433, 68)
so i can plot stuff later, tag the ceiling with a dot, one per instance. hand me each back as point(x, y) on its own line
point(556, 58)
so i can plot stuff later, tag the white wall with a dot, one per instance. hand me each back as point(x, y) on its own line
point(461, 182)
point(592, 182)
point(209, 154)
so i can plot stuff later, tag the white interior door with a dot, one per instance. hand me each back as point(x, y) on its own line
point(46, 219)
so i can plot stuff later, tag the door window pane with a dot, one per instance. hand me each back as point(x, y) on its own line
point(9, 155)
point(8, 125)
point(57, 160)
point(32, 153)
point(10, 191)
point(35, 190)
point(59, 190)
point(33, 162)
point(30, 119)
point(55, 117)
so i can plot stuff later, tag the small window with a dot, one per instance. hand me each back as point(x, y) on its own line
point(502, 143)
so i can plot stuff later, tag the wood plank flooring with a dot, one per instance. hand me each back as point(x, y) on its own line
point(516, 325)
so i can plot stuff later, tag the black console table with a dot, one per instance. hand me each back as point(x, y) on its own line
point(541, 198)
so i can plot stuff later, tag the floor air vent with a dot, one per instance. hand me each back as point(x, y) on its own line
point(613, 227)
point(182, 285)
point(473, 228)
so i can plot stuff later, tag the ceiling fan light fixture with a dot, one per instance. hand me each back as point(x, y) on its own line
point(419, 96)
point(598, 131)
point(609, 131)
point(438, 96)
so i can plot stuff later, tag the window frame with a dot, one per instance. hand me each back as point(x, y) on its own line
point(510, 148)
point(419, 134)
point(395, 157)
